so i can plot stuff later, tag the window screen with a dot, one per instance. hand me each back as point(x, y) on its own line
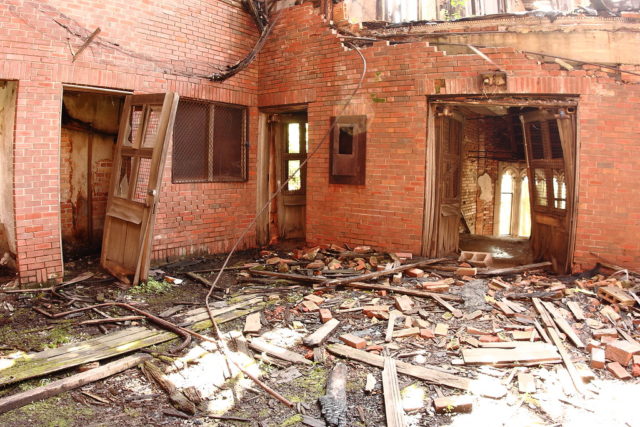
point(209, 142)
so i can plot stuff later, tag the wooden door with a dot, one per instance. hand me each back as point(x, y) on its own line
point(291, 151)
point(449, 133)
point(550, 172)
point(145, 129)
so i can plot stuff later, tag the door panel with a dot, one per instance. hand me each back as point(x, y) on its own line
point(291, 151)
point(145, 129)
point(547, 139)
point(449, 132)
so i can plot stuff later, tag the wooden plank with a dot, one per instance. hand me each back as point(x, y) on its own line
point(392, 400)
point(104, 347)
point(54, 388)
point(566, 358)
point(401, 290)
point(563, 324)
point(390, 325)
point(261, 346)
point(199, 314)
point(321, 333)
point(523, 353)
point(485, 386)
point(456, 313)
point(514, 270)
point(544, 315)
point(576, 310)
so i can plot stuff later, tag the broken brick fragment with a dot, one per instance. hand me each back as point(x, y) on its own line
point(353, 341)
point(597, 358)
point(403, 303)
point(427, 333)
point(451, 404)
point(309, 306)
point(375, 348)
point(325, 315)
point(621, 351)
point(618, 371)
point(414, 272)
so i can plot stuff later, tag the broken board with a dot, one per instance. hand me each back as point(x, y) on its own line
point(483, 385)
point(107, 346)
point(523, 354)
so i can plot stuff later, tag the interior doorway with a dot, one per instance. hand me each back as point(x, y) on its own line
point(503, 180)
point(283, 146)
point(88, 135)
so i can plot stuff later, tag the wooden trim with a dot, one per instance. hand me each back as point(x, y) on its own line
point(262, 179)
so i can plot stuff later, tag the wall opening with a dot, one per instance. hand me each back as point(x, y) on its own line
point(283, 146)
point(88, 136)
point(512, 171)
point(8, 98)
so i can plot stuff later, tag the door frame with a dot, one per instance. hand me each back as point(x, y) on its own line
point(263, 163)
point(432, 188)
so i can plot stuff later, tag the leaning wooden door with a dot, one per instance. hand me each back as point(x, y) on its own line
point(145, 129)
point(449, 132)
point(291, 152)
point(550, 143)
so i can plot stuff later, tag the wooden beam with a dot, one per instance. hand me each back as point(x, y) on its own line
point(377, 274)
point(86, 43)
point(260, 345)
point(403, 291)
point(514, 270)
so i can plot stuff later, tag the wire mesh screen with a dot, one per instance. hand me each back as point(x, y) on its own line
point(142, 183)
point(208, 142)
point(153, 125)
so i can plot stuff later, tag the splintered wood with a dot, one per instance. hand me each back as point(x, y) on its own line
point(523, 353)
point(392, 399)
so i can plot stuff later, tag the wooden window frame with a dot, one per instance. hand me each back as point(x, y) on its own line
point(211, 147)
point(358, 154)
point(547, 164)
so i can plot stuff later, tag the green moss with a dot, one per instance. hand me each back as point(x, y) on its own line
point(292, 420)
point(151, 287)
point(58, 411)
point(36, 339)
point(374, 98)
point(312, 384)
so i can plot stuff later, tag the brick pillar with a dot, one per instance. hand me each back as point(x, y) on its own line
point(37, 181)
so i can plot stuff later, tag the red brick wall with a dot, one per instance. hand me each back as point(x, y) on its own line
point(145, 47)
point(304, 62)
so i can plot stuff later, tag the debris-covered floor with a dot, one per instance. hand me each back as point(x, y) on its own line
point(345, 336)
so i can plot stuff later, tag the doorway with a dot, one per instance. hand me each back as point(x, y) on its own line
point(283, 149)
point(88, 135)
point(503, 180)
point(8, 103)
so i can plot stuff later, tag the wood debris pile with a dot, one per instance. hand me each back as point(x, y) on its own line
point(455, 330)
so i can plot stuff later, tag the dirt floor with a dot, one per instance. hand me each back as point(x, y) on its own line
point(130, 398)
